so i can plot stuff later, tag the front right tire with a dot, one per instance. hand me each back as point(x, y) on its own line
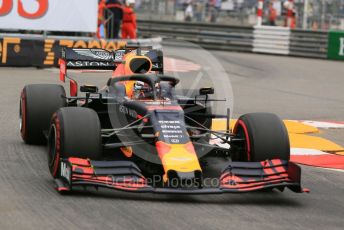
point(265, 138)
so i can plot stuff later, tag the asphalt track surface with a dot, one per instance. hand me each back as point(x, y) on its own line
point(291, 87)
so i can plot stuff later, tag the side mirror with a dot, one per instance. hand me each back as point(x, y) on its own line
point(206, 91)
point(88, 89)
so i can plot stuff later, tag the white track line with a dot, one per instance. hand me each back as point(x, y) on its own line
point(306, 152)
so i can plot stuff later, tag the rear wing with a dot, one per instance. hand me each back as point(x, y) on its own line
point(87, 59)
point(100, 59)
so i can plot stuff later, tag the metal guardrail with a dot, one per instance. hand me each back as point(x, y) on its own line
point(264, 39)
point(307, 43)
point(209, 36)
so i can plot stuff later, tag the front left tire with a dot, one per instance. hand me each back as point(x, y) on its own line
point(37, 104)
point(74, 132)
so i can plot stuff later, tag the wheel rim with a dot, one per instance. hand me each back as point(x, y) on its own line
point(22, 116)
point(241, 131)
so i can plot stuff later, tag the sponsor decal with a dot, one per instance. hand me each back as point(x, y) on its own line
point(95, 53)
point(119, 55)
point(92, 44)
point(66, 171)
point(171, 128)
point(45, 53)
point(48, 49)
point(127, 111)
point(156, 66)
point(89, 64)
point(341, 46)
point(24, 12)
point(181, 158)
point(162, 103)
point(7, 47)
point(49, 15)
point(335, 49)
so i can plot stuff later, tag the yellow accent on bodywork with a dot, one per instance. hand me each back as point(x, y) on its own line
point(180, 159)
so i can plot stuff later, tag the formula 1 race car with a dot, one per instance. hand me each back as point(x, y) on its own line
point(137, 135)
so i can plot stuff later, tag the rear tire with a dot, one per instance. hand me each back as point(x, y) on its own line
point(265, 135)
point(37, 103)
point(74, 132)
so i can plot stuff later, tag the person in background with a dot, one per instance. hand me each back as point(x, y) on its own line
point(101, 7)
point(286, 12)
point(199, 8)
point(188, 11)
point(290, 14)
point(116, 9)
point(129, 21)
point(293, 19)
point(315, 26)
point(214, 9)
point(272, 14)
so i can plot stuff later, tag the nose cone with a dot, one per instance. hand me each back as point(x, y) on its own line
point(178, 158)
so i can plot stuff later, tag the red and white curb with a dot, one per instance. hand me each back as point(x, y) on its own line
point(324, 124)
point(317, 158)
point(312, 157)
point(178, 65)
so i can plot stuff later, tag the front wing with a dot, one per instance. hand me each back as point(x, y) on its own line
point(126, 176)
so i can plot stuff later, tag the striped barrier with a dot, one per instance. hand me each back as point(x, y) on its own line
point(271, 39)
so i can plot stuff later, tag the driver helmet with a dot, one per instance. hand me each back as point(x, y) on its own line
point(139, 87)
